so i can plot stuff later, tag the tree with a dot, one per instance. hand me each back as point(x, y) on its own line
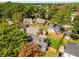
point(75, 33)
point(11, 40)
point(30, 50)
point(29, 10)
point(6, 13)
point(41, 12)
point(18, 17)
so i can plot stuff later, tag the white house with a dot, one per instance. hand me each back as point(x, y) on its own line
point(56, 28)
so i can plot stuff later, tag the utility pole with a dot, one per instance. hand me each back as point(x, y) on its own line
point(60, 43)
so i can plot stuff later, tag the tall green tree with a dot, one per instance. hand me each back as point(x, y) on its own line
point(76, 25)
point(17, 17)
point(75, 32)
point(41, 12)
point(11, 40)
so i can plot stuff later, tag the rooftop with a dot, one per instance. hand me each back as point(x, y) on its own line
point(40, 41)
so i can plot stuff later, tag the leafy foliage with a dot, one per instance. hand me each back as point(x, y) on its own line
point(56, 12)
point(75, 34)
point(76, 25)
point(17, 17)
point(11, 40)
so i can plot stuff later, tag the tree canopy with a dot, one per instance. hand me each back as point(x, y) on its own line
point(11, 39)
point(54, 12)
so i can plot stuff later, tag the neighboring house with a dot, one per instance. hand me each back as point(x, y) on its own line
point(37, 20)
point(73, 15)
point(56, 28)
point(40, 21)
point(32, 30)
point(68, 26)
point(71, 50)
point(27, 21)
point(68, 35)
point(42, 42)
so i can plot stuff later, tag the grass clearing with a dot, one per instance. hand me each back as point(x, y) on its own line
point(44, 27)
point(34, 24)
point(54, 41)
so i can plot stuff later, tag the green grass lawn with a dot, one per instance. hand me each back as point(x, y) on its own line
point(54, 41)
point(54, 44)
point(44, 27)
point(34, 24)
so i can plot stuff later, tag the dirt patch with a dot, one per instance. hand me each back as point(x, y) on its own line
point(52, 49)
point(51, 52)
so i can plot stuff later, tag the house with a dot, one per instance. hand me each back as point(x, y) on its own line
point(67, 26)
point(56, 28)
point(40, 21)
point(37, 20)
point(32, 30)
point(73, 15)
point(68, 34)
point(42, 42)
point(71, 50)
point(27, 21)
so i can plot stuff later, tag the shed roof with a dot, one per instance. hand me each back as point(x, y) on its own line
point(27, 20)
point(40, 42)
point(38, 20)
point(32, 30)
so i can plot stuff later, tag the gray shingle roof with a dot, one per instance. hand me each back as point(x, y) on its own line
point(40, 42)
point(72, 48)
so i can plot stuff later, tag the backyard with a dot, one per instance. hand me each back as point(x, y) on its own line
point(14, 31)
